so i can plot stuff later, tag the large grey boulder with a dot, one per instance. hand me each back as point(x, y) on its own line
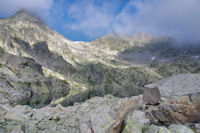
point(135, 122)
point(179, 85)
point(156, 129)
point(132, 126)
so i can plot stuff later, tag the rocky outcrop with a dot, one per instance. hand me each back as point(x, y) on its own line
point(98, 115)
point(175, 113)
point(22, 82)
point(21, 65)
point(180, 102)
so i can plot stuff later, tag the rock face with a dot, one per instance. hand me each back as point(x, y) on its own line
point(23, 82)
point(175, 113)
point(179, 85)
point(21, 65)
point(180, 100)
point(151, 96)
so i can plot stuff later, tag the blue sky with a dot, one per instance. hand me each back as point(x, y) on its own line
point(86, 20)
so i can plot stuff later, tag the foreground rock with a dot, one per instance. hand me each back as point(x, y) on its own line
point(180, 129)
point(179, 85)
point(180, 95)
point(135, 122)
point(97, 115)
point(175, 113)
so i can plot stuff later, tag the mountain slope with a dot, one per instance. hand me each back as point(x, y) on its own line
point(108, 65)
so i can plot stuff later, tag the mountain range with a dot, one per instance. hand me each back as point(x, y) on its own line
point(39, 67)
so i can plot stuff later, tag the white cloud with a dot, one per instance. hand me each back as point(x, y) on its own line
point(94, 20)
point(9, 7)
point(176, 18)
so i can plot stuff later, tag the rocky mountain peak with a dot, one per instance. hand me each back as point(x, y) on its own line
point(26, 15)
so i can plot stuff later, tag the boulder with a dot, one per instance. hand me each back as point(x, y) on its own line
point(132, 126)
point(180, 129)
point(135, 122)
point(140, 117)
point(151, 96)
point(197, 127)
point(179, 85)
point(12, 116)
point(175, 113)
point(156, 129)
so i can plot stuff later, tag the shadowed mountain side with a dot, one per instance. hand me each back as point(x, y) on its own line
point(102, 80)
point(22, 82)
point(164, 57)
point(158, 49)
point(116, 81)
point(41, 53)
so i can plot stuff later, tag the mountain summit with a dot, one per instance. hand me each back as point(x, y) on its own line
point(25, 15)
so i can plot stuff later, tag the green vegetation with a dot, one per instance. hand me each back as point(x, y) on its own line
point(113, 43)
point(9, 83)
point(38, 42)
point(64, 81)
point(50, 76)
point(25, 64)
point(179, 66)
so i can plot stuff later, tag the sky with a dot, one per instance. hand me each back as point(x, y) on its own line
point(86, 20)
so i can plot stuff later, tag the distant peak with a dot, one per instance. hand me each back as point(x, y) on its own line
point(111, 36)
point(21, 11)
point(24, 14)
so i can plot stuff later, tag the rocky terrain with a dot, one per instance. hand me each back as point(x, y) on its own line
point(139, 84)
